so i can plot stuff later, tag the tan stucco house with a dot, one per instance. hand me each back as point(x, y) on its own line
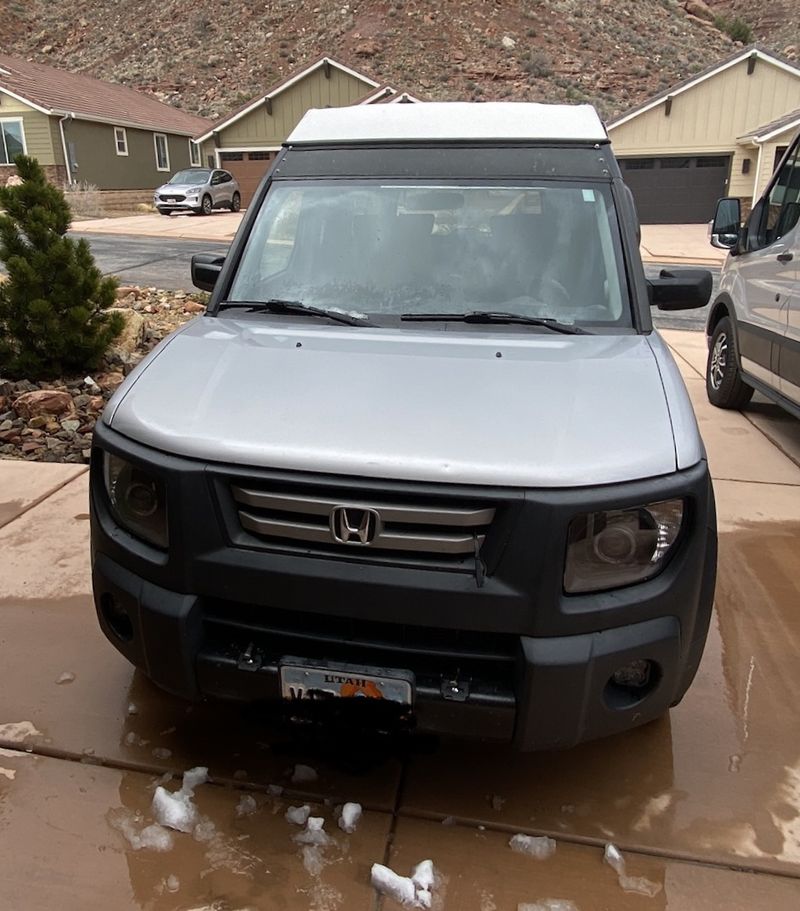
point(245, 141)
point(82, 129)
point(719, 133)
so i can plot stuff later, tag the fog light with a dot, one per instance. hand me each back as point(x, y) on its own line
point(635, 674)
point(116, 617)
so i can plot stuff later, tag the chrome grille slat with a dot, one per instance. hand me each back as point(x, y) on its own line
point(295, 516)
point(384, 540)
point(319, 506)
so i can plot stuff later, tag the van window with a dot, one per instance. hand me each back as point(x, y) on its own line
point(781, 210)
point(550, 249)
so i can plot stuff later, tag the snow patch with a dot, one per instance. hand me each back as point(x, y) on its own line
point(313, 834)
point(351, 814)
point(540, 847)
point(548, 904)
point(303, 774)
point(17, 731)
point(639, 884)
point(413, 891)
point(151, 838)
point(172, 883)
point(247, 805)
point(176, 810)
point(654, 808)
point(66, 677)
point(133, 709)
point(298, 816)
point(10, 774)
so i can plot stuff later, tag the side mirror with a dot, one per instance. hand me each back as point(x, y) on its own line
point(726, 225)
point(682, 289)
point(205, 270)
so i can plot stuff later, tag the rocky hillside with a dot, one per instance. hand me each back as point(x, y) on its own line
point(209, 58)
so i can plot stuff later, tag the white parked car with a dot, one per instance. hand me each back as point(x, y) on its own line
point(198, 190)
point(754, 324)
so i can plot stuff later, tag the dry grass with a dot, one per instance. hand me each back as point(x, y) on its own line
point(85, 199)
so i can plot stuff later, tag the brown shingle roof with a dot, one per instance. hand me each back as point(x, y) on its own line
point(774, 126)
point(61, 92)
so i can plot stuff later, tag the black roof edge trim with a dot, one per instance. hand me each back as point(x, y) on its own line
point(451, 143)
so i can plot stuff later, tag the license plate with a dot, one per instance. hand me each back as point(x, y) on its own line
point(323, 680)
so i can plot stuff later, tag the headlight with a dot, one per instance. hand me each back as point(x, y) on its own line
point(138, 500)
point(617, 547)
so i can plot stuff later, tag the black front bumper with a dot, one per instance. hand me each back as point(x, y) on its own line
point(512, 659)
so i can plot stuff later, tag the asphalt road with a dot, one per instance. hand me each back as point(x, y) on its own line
point(164, 263)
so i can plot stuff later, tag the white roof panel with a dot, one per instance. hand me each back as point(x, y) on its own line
point(494, 120)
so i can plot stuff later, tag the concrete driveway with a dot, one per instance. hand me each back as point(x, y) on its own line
point(704, 804)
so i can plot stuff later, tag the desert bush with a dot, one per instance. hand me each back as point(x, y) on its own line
point(736, 28)
point(52, 318)
point(538, 63)
point(84, 199)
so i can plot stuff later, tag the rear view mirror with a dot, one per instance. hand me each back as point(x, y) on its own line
point(205, 270)
point(680, 289)
point(727, 220)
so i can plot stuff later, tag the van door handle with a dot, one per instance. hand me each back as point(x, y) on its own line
point(785, 257)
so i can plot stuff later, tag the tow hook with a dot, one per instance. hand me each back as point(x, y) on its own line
point(250, 659)
point(455, 689)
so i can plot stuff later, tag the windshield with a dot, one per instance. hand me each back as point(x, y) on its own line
point(191, 176)
point(546, 250)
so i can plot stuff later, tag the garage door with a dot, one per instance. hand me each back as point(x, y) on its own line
point(248, 168)
point(676, 190)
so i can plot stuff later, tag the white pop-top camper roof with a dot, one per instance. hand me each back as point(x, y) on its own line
point(457, 121)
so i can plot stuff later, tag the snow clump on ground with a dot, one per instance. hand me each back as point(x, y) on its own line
point(298, 816)
point(639, 884)
point(413, 891)
point(351, 814)
point(176, 810)
point(540, 847)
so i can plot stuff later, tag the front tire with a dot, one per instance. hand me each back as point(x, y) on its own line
point(164, 212)
point(236, 203)
point(724, 384)
point(206, 206)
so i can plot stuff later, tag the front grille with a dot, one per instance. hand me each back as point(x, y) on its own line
point(362, 526)
point(173, 198)
point(428, 651)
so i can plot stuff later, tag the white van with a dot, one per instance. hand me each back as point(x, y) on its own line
point(754, 325)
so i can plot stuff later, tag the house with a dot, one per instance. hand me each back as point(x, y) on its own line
point(245, 141)
point(719, 133)
point(85, 130)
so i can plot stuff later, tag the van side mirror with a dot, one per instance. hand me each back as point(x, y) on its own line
point(680, 289)
point(726, 225)
point(205, 270)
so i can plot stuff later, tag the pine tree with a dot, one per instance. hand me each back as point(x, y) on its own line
point(52, 318)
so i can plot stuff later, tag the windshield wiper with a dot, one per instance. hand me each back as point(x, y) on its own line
point(498, 316)
point(279, 305)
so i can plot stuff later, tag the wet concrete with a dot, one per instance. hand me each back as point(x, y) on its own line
point(704, 803)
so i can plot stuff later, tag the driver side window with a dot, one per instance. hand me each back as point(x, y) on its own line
point(781, 208)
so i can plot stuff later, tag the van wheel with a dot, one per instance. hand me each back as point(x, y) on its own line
point(724, 384)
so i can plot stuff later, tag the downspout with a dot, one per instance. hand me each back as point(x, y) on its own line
point(758, 171)
point(64, 146)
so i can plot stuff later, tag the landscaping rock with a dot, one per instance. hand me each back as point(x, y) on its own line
point(108, 382)
point(43, 401)
point(132, 334)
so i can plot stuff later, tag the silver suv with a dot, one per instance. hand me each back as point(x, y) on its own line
point(199, 190)
point(754, 325)
point(423, 461)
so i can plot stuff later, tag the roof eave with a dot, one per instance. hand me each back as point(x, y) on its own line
point(680, 88)
point(281, 87)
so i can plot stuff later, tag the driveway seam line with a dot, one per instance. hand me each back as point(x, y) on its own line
point(39, 500)
point(778, 446)
point(594, 842)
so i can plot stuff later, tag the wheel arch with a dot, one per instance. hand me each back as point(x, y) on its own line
point(722, 307)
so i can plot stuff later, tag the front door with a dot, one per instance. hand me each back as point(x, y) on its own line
point(768, 272)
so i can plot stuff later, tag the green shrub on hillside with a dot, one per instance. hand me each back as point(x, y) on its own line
point(52, 318)
point(736, 28)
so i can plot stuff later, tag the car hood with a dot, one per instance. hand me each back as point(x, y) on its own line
point(177, 188)
point(460, 406)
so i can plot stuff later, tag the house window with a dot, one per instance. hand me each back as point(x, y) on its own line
point(194, 154)
point(162, 151)
point(121, 140)
point(12, 140)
